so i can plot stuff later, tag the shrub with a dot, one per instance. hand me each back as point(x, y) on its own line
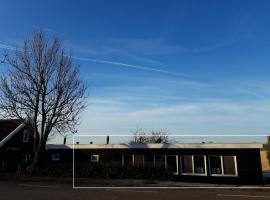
point(119, 172)
point(95, 170)
point(57, 170)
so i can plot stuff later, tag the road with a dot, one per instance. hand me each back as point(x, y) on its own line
point(54, 191)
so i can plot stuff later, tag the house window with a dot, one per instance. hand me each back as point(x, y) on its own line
point(148, 160)
point(159, 161)
point(223, 165)
point(229, 165)
point(138, 160)
point(55, 157)
point(94, 158)
point(186, 166)
point(193, 165)
point(215, 165)
point(199, 164)
point(26, 136)
point(127, 160)
point(172, 163)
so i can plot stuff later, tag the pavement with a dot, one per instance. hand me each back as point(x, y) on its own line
point(14, 190)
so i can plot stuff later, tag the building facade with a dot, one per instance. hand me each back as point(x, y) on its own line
point(200, 162)
point(215, 163)
point(16, 144)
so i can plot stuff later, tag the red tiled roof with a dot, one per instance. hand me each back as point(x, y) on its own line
point(7, 126)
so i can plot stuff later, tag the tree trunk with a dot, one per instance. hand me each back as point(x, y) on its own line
point(39, 158)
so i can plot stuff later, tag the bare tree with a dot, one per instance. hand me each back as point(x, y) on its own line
point(141, 136)
point(43, 88)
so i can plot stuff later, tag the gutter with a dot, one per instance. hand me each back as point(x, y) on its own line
point(9, 136)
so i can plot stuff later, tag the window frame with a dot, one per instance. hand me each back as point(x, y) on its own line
point(25, 136)
point(55, 158)
point(193, 167)
point(222, 166)
point(123, 159)
point(177, 165)
point(94, 160)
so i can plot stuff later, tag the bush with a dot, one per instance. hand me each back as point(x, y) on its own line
point(103, 171)
point(56, 170)
point(119, 172)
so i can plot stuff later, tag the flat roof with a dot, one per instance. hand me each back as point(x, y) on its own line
point(158, 146)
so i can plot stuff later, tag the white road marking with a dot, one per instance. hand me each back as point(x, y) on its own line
point(243, 195)
point(176, 187)
point(42, 186)
point(150, 191)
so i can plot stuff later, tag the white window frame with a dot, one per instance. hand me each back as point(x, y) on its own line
point(55, 156)
point(222, 166)
point(193, 168)
point(177, 167)
point(96, 156)
point(26, 136)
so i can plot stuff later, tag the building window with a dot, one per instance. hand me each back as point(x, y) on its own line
point(159, 161)
point(55, 157)
point(94, 158)
point(223, 165)
point(199, 164)
point(172, 164)
point(186, 166)
point(127, 160)
point(148, 161)
point(215, 165)
point(229, 165)
point(193, 165)
point(26, 136)
point(138, 160)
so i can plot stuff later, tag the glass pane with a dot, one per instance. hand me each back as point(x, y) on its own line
point(148, 160)
point(138, 160)
point(172, 163)
point(199, 167)
point(94, 158)
point(215, 164)
point(127, 160)
point(229, 165)
point(187, 164)
point(159, 160)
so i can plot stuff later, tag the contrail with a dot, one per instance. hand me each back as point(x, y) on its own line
point(127, 65)
point(4, 46)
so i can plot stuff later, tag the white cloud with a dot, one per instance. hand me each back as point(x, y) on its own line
point(200, 117)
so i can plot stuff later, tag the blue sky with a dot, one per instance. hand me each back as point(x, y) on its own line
point(190, 67)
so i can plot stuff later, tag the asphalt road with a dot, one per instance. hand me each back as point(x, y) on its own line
point(54, 191)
